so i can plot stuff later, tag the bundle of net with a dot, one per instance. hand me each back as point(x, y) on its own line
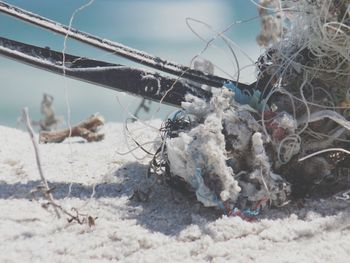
point(286, 138)
point(216, 149)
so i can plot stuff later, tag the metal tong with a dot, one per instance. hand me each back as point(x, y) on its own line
point(149, 85)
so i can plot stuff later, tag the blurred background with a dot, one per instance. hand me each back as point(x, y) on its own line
point(157, 27)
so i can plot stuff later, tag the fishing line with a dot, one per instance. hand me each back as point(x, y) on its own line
point(208, 43)
point(66, 88)
point(324, 151)
point(64, 62)
point(129, 134)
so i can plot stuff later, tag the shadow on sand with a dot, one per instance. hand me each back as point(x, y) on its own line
point(166, 211)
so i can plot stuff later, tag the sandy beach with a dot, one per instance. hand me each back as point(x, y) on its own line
point(97, 180)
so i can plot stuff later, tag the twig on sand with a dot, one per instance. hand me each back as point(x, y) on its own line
point(86, 129)
point(46, 191)
point(47, 194)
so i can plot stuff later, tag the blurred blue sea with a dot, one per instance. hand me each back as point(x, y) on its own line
point(155, 26)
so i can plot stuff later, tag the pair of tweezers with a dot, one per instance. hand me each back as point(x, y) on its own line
point(149, 85)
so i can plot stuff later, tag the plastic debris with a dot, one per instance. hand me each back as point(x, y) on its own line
point(247, 214)
point(245, 98)
point(217, 148)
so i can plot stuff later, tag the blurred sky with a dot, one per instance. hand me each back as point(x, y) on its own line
point(155, 26)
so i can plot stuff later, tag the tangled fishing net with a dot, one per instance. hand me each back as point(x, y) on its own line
point(289, 136)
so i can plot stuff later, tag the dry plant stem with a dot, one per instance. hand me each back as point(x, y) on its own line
point(86, 129)
point(78, 217)
point(47, 192)
point(48, 195)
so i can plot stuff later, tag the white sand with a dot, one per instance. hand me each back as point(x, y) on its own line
point(170, 227)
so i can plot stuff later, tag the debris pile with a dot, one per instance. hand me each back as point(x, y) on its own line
point(246, 149)
point(217, 149)
point(305, 72)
